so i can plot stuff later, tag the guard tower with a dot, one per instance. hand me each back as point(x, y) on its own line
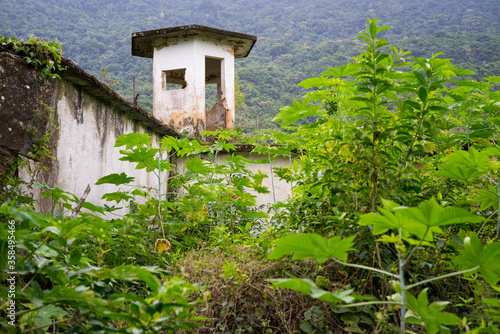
point(187, 62)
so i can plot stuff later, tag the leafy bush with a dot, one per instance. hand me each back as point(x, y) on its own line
point(61, 284)
point(391, 128)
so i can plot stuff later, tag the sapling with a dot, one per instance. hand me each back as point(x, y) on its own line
point(408, 230)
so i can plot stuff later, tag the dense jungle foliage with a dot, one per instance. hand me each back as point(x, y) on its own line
point(393, 221)
point(296, 39)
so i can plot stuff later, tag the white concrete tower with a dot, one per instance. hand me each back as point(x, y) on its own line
point(187, 60)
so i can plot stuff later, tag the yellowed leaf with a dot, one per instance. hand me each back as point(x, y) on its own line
point(162, 245)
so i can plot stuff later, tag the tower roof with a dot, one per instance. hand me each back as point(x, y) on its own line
point(144, 41)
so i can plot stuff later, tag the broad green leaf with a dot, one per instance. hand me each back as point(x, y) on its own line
point(373, 29)
point(429, 315)
point(341, 71)
point(143, 156)
point(130, 140)
point(431, 214)
point(488, 197)
point(421, 221)
point(291, 114)
point(457, 172)
point(93, 207)
point(168, 143)
point(308, 287)
point(487, 258)
point(132, 273)
point(117, 196)
point(318, 82)
point(494, 79)
point(74, 258)
point(115, 179)
point(464, 165)
point(391, 218)
point(422, 94)
point(198, 166)
point(45, 315)
point(57, 193)
point(462, 71)
point(309, 246)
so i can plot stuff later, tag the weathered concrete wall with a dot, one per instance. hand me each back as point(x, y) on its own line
point(21, 97)
point(84, 135)
point(84, 151)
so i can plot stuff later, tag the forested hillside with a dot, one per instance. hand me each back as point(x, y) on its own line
point(297, 39)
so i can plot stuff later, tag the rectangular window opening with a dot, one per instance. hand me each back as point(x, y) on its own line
point(174, 79)
point(213, 87)
point(215, 104)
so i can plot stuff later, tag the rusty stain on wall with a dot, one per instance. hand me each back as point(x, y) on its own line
point(217, 116)
point(186, 121)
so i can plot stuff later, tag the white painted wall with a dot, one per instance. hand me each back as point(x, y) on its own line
point(84, 146)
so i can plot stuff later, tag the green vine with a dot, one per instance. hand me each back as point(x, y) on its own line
point(10, 181)
point(45, 55)
point(41, 140)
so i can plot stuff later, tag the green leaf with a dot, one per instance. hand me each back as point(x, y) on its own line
point(487, 258)
point(93, 207)
point(168, 143)
point(373, 28)
point(45, 315)
point(341, 71)
point(422, 94)
point(198, 166)
point(465, 165)
point(430, 315)
point(391, 218)
point(291, 114)
point(74, 258)
point(308, 287)
point(421, 221)
point(488, 197)
point(420, 78)
point(318, 82)
point(458, 172)
point(431, 214)
point(309, 246)
point(132, 273)
point(143, 156)
point(115, 179)
point(57, 194)
point(117, 196)
point(130, 140)
point(462, 71)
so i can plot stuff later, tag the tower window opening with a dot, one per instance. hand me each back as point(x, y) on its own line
point(174, 79)
point(215, 102)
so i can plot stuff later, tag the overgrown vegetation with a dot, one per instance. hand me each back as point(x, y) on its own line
point(43, 54)
point(393, 221)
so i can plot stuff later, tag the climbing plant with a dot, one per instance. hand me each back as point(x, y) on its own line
point(45, 55)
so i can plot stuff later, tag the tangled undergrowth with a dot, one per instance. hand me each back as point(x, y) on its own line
point(238, 298)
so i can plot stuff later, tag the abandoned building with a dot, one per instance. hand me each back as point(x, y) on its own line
point(87, 116)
